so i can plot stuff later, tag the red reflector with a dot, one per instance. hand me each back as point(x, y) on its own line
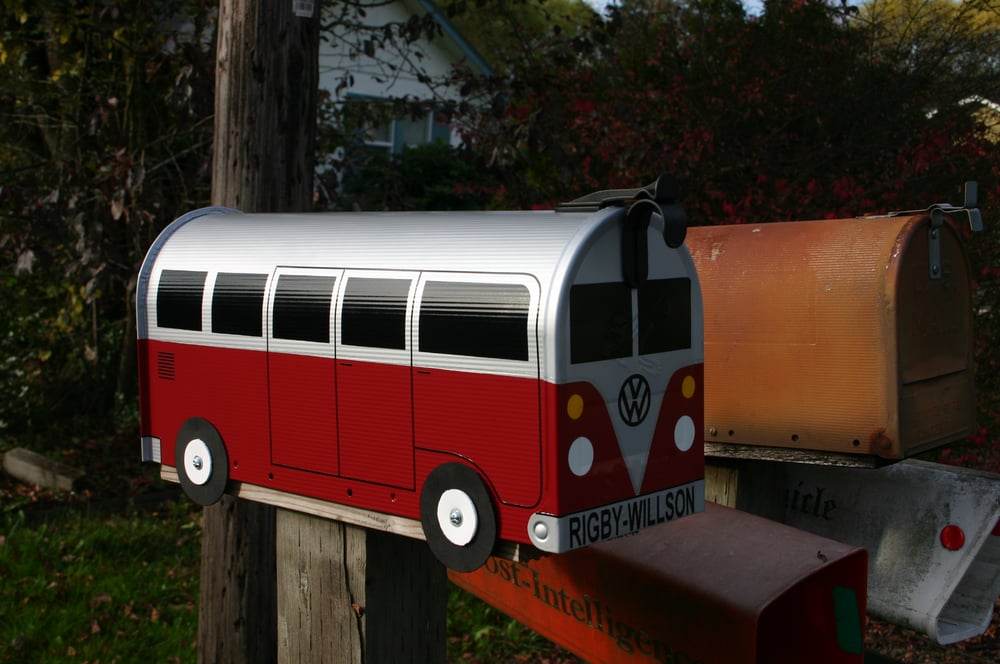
point(996, 528)
point(952, 537)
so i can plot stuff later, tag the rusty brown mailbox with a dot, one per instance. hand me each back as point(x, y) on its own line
point(850, 335)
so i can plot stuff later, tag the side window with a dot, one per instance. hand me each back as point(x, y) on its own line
point(374, 312)
point(302, 307)
point(600, 320)
point(664, 315)
point(476, 319)
point(238, 303)
point(178, 299)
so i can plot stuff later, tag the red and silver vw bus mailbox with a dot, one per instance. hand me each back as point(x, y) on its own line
point(475, 379)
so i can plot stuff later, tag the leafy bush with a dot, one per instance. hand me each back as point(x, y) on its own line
point(105, 140)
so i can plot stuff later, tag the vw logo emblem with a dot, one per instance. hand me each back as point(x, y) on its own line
point(633, 400)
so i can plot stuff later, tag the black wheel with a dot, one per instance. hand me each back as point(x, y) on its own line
point(458, 518)
point(202, 462)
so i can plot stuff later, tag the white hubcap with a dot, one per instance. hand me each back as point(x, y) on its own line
point(457, 516)
point(197, 461)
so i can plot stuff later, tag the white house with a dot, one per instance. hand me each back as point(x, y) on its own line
point(366, 57)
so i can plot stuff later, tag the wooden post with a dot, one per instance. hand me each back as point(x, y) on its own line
point(348, 594)
point(267, 78)
point(237, 606)
point(749, 486)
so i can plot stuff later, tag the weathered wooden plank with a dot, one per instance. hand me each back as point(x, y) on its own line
point(388, 523)
point(788, 455)
point(746, 485)
point(349, 594)
point(354, 516)
point(33, 468)
point(237, 582)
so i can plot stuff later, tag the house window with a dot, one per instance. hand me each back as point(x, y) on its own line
point(409, 131)
point(379, 136)
point(395, 135)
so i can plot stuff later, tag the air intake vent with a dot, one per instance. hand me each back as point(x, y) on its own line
point(165, 366)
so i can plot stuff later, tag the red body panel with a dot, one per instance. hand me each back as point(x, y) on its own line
point(608, 481)
point(227, 387)
point(303, 411)
point(493, 421)
point(368, 434)
point(667, 463)
point(375, 419)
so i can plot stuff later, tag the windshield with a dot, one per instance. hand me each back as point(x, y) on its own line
point(601, 318)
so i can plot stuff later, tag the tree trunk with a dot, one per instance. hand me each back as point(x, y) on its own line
point(267, 75)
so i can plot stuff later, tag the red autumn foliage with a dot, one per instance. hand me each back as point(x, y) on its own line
point(789, 115)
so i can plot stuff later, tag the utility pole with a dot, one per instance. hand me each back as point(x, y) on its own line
point(278, 585)
point(267, 76)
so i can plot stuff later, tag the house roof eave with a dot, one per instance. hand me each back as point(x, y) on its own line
point(477, 61)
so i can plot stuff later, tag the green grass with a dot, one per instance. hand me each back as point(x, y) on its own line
point(124, 588)
point(111, 589)
point(478, 633)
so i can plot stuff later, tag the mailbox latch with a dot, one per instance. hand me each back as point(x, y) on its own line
point(937, 213)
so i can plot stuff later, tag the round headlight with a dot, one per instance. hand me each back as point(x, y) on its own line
point(581, 456)
point(684, 432)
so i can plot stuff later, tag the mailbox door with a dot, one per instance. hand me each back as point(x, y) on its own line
point(934, 324)
point(374, 398)
point(300, 367)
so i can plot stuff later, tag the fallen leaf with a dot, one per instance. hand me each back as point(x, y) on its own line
point(117, 208)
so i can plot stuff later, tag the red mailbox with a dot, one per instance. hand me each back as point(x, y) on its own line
point(723, 586)
point(499, 380)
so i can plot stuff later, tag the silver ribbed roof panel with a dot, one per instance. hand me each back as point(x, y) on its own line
point(525, 242)
point(547, 245)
